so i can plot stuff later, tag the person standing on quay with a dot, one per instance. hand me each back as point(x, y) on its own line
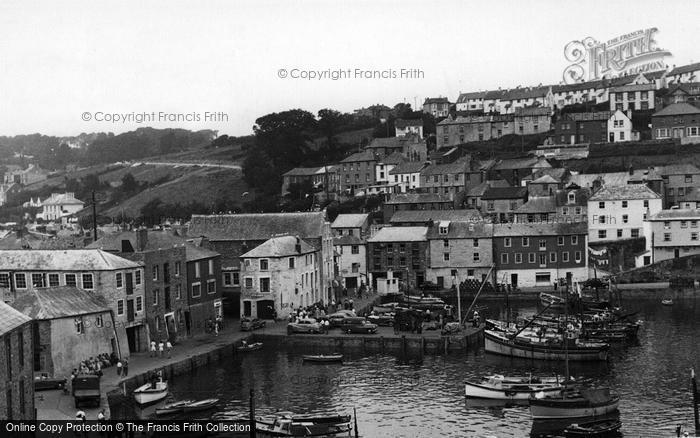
point(161, 347)
point(153, 348)
point(126, 367)
point(169, 347)
point(119, 368)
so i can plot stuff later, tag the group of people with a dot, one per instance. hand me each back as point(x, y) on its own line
point(95, 365)
point(157, 350)
point(214, 325)
point(359, 292)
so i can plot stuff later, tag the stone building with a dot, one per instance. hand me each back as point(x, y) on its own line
point(16, 365)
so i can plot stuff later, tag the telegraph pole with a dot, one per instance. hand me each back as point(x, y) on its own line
point(94, 218)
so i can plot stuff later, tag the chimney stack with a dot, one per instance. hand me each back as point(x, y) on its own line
point(297, 247)
point(141, 239)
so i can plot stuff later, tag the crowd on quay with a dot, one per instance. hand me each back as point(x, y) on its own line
point(95, 365)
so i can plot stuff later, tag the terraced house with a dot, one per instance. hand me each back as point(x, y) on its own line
point(16, 365)
point(117, 281)
point(401, 252)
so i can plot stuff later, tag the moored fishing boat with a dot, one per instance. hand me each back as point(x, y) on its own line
point(597, 428)
point(284, 424)
point(574, 403)
point(250, 347)
point(512, 389)
point(172, 408)
point(500, 343)
point(151, 392)
point(667, 302)
point(322, 358)
point(200, 405)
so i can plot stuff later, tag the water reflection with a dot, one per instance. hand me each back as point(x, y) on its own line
point(413, 396)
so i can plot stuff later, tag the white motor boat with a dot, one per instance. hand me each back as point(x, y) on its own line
point(512, 389)
point(150, 393)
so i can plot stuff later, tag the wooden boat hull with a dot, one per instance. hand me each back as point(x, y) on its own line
point(323, 358)
point(251, 347)
point(266, 429)
point(571, 408)
point(475, 390)
point(201, 405)
point(592, 428)
point(499, 345)
point(145, 395)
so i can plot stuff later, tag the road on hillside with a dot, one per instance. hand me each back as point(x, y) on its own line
point(187, 164)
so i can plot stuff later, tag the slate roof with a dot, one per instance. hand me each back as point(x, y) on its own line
point(692, 195)
point(62, 260)
point(194, 253)
point(393, 158)
point(685, 69)
point(540, 229)
point(464, 97)
point(677, 109)
point(156, 240)
point(407, 167)
point(59, 302)
point(581, 198)
point(302, 171)
point(677, 213)
point(423, 216)
point(480, 189)
point(350, 220)
point(365, 155)
point(280, 246)
point(348, 240)
point(462, 230)
point(504, 193)
point(532, 111)
point(11, 319)
point(626, 192)
point(62, 199)
point(257, 226)
point(540, 204)
point(633, 87)
point(402, 123)
point(545, 179)
point(417, 198)
point(459, 166)
point(584, 117)
point(388, 142)
point(517, 163)
point(400, 234)
point(429, 100)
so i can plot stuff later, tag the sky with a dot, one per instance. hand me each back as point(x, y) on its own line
point(66, 68)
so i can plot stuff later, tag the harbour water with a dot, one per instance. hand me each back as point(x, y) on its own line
point(417, 396)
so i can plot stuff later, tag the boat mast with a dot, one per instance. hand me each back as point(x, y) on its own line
point(695, 401)
point(566, 333)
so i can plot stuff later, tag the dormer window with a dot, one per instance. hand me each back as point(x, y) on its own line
point(572, 198)
point(443, 230)
point(444, 227)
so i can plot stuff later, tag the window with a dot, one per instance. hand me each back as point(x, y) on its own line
point(693, 236)
point(211, 286)
point(443, 230)
point(196, 290)
point(178, 291)
point(552, 257)
point(577, 210)
point(20, 349)
point(99, 321)
point(490, 206)
point(661, 132)
point(227, 278)
point(693, 224)
point(137, 276)
point(291, 262)
point(543, 260)
point(476, 257)
point(692, 131)
point(531, 257)
point(684, 224)
point(445, 243)
point(120, 282)
point(71, 280)
point(646, 203)
point(625, 218)
point(155, 273)
point(248, 283)
point(602, 234)
point(560, 240)
point(504, 258)
point(526, 241)
point(264, 285)
point(689, 179)
point(87, 281)
point(390, 261)
point(667, 237)
point(667, 225)
point(355, 249)
point(543, 244)
point(120, 307)
point(446, 256)
point(79, 326)
point(518, 257)
point(156, 292)
point(475, 243)
point(601, 219)
point(506, 242)
point(601, 204)
point(178, 269)
point(565, 257)
point(565, 211)
point(139, 304)
point(38, 280)
point(157, 323)
point(624, 204)
point(635, 232)
point(4, 279)
point(263, 265)
point(619, 232)
point(577, 256)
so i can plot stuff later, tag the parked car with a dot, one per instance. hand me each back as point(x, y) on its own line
point(308, 325)
point(337, 318)
point(251, 324)
point(358, 325)
point(382, 319)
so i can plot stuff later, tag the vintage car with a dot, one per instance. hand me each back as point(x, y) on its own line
point(251, 324)
point(308, 325)
point(358, 325)
point(337, 318)
point(382, 319)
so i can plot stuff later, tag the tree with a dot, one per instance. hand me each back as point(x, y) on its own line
point(329, 124)
point(403, 111)
point(129, 184)
point(285, 136)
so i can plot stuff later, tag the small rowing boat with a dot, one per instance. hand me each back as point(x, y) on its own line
point(512, 389)
point(187, 406)
point(151, 392)
point(593, 428)
point(322, 357)
point(250, 347)
point(284, 424)
point(667, 302)
point(172, 408)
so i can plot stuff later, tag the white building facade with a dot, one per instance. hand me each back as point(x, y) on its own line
point(616, 213)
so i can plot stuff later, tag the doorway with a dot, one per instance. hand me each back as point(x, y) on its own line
point(514, 280)
point(612, 137)
point(266, 309)
point(676, 253)
point(246, 308)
